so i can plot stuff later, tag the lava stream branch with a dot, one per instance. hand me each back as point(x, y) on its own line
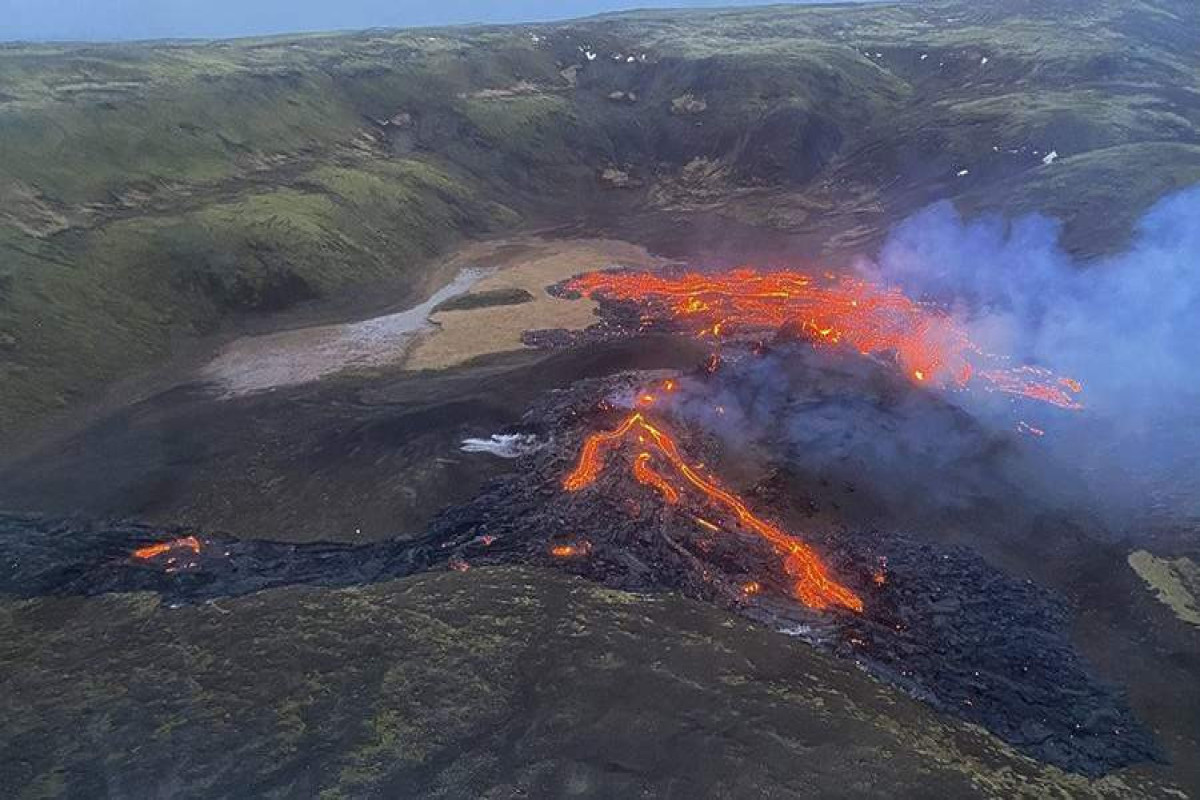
point(646, 475)
point(812, 585)
point(153, 551)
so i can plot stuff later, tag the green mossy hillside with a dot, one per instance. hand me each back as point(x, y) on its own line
point(150, 192)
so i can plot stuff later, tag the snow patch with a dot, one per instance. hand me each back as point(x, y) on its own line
point(503, 445)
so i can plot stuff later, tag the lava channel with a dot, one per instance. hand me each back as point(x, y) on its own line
point(153, 551)
point(812, 584)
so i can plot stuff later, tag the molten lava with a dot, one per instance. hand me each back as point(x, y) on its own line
point(150, 552)
point(571, 550)
point(645, 474)
point(812, 584)
point(929, 345)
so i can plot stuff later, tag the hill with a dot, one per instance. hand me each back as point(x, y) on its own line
point(158, 192)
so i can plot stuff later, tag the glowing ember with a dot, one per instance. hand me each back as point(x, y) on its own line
point(571, 550)
point(928, 344)
point(153, 551)
point(1037, 383)
point(1025, 427)
point(812, 584)
point(880, 576)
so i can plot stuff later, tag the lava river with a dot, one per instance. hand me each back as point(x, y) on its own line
point(812, 585)
point(928, 343)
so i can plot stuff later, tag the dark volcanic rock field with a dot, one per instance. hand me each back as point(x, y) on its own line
point(939, 622)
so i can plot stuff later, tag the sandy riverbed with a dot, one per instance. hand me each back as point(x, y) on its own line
point(459, 336)
point(257, 363)
point(418, 337)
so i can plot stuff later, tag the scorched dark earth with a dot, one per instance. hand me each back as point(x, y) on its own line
point(765, 402)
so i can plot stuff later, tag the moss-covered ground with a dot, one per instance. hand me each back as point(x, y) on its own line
point(496, 683)
point(150, 193)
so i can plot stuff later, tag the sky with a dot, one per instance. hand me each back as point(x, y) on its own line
point(100, 20)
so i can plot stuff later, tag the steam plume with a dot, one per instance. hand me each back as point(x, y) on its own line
point(1127, 325)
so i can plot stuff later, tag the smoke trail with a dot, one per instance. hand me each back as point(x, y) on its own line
point(1127, 325)
point(862, 436)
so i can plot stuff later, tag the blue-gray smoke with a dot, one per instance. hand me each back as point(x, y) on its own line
point(1127, 326)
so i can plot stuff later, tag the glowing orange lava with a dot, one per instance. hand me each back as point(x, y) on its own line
point(929, 345)
point(1037, 383)
point(812, 584)
point(155, 550)
point(571, 550)
point(645, 474)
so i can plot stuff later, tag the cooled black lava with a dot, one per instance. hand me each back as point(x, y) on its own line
point(940, 622)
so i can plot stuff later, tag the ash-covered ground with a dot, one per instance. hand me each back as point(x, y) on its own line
point(938, 620)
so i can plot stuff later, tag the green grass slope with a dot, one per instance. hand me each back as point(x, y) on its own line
point(150, 192)
point(496, 683)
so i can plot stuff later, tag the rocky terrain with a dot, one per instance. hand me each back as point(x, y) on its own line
point(491, 683)
point(274, 314)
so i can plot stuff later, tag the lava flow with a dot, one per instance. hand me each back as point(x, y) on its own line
point(928, 343)
point(813, 585)
point(153, 551)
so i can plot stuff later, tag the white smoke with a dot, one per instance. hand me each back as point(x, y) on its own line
point(1127, 326)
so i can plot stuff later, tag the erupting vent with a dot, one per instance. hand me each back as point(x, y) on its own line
point(928, 343)
point(813, 585)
